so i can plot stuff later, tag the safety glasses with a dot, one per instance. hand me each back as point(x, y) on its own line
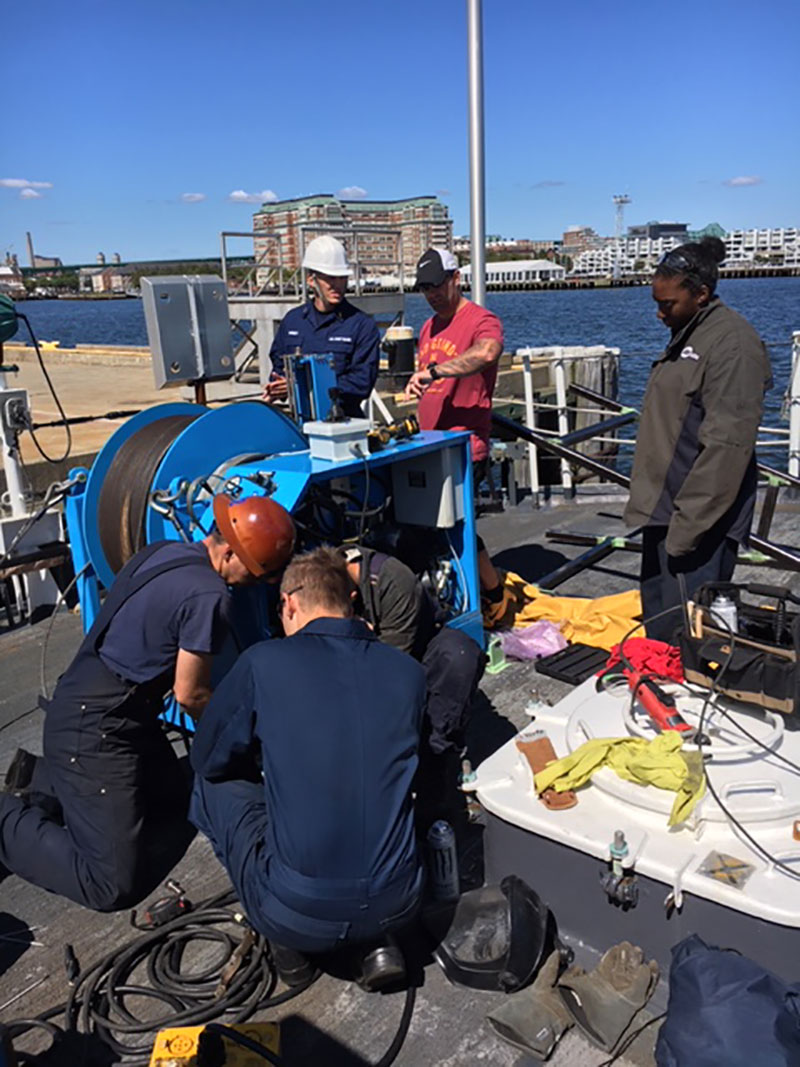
point(285, 596)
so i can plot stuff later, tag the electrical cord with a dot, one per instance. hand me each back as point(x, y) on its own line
point(62, 595)
point(54, 394)
point(752, 841)
point(358, 451)
point(629, 1040)
point(100, 1000)
point(711, 693)
point(245, 1041)
point(236, 984)
point(59, 493)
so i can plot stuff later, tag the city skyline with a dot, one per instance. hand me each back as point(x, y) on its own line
point(177, 121)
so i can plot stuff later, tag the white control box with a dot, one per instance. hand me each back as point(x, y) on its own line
point(428, 489)
point(336, 441)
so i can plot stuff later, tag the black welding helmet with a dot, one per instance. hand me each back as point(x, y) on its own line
point(496, 938)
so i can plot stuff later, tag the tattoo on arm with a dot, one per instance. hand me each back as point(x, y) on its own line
point(477, 358)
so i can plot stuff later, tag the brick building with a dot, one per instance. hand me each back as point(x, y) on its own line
point(420, 221)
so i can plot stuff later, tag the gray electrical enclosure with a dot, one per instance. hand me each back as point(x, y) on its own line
point(188, 328)
point(428, 489)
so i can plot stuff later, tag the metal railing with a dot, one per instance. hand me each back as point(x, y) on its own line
point(265, 275)
point(250, 284)
point(350, 235)
point(770, 438)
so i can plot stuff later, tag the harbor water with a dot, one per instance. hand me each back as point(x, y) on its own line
point(624, 318)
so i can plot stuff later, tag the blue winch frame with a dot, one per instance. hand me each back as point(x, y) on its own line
point(253, 449)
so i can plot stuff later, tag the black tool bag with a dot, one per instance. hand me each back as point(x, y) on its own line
point(760, 663)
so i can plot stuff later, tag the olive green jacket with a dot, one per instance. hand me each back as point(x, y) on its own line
point(694, 468)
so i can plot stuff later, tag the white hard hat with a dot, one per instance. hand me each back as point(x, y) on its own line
point(326, 255)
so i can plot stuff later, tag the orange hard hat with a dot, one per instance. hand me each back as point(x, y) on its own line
point(259, 530)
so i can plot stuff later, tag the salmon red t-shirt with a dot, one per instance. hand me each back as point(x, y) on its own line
point(459, 403)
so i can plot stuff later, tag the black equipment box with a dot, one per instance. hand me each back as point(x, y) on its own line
point(573, 664)
point(758, 664)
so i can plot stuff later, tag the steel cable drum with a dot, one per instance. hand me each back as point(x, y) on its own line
point(154, 448)
point(125, 492)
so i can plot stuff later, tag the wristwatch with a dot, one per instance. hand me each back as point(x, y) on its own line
point(434, 373)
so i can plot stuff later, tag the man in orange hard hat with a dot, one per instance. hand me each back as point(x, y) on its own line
point(101, 817)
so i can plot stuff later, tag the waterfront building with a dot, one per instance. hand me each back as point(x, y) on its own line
point(105, 279)
point(637, 254)
point(776, 247)
point(577, 239)
point(626, 256)
point(379, 235)
point(517, 272)
point(11, 283)
point(509, 245)
point(655, 230)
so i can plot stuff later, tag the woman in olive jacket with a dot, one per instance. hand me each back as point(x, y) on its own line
point(693, 486)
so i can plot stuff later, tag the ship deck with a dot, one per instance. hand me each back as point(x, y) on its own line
point(333, 1021)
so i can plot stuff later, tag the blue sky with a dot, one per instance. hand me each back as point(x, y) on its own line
point(133, 124)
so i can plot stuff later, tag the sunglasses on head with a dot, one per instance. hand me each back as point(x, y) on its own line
point(676, 260)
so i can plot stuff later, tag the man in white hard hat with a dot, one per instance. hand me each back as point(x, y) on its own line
point(329, 323)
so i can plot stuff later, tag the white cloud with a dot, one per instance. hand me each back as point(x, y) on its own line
point(266, 196)
point(29, 194)
point(23, 183)
point(192, 198)
point(352, 192)
point(744, 179)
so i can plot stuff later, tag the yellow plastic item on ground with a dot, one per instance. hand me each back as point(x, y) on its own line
point(601, 622)
point(177, 1046)
point(659, 762)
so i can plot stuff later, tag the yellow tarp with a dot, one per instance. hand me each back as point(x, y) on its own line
point(658, 762)
point(601, 622)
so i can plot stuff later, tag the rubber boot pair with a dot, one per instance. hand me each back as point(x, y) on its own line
point(601, 1003)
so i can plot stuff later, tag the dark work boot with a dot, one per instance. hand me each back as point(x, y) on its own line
point(293, 967)
point(382, 966)
point(20, 771)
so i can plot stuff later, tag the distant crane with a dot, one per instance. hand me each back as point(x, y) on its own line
point(619, 203)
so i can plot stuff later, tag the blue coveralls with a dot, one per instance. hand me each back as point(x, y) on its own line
point(347, 333)
point(323, 851)
point(108, 763)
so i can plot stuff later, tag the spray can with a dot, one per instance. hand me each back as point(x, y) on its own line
point(723, 611)
point(443, 861)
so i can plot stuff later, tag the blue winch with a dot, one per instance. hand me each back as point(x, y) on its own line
point(156, 476)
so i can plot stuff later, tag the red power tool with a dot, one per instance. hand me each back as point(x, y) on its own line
point(658, 704)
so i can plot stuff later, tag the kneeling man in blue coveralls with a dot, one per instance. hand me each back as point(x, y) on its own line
point(322, 852)
point(101, 817)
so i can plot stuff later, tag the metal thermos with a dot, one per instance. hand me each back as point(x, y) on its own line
point(443, 861)
point(398, 344)
point(723, 611)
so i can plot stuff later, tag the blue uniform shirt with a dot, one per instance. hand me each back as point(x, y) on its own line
point(337, 716)
point(187, 608)
point(350, 335)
